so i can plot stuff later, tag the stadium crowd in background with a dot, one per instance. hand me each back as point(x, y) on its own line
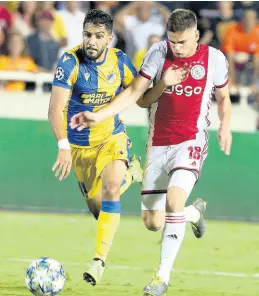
point(33, 35)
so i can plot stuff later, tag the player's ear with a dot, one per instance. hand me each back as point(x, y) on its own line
point(197, 35)
point(109, 40)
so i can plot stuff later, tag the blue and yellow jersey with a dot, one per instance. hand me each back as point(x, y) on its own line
point(93, 85)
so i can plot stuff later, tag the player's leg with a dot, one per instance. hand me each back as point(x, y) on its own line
point(182, 180)
point(84, 164)
point(154, 188)
point(108, 220)
point(195, 215)
point(180, 185)
point(94, 203)
point(191, 156)
point(153, 201)
point(154, 219)
point(134, 174)
point(111, 169)
point(84, 169)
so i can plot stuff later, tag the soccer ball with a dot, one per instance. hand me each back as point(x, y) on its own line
point(45, 277)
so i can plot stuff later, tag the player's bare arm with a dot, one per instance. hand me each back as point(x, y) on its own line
point(58, 100)
point(124, 100)
point(224, 111)
point(170, 77)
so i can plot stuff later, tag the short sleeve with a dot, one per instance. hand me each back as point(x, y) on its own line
point(129, 71)
point(65, 71)
point(220, 78)
point(151, 62)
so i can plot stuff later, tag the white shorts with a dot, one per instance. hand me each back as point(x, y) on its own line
point(163, 161)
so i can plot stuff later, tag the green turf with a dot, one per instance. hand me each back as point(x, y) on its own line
point(227, 247)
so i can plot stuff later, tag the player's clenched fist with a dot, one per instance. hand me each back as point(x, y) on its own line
point(173, 76)
point(83, 120)
point(63, 164)
point(225, 139)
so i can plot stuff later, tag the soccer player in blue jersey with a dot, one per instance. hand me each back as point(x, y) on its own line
point(87, 78)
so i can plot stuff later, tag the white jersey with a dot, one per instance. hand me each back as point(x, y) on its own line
point(182, 110)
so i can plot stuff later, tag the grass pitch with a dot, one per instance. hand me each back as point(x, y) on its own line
point(223, 263)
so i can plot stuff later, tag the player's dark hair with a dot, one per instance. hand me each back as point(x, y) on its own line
point(180, 20)
point(98, 17)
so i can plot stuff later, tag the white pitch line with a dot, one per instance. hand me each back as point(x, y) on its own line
point(126, 267)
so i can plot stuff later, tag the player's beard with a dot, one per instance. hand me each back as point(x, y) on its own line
point(95, 53)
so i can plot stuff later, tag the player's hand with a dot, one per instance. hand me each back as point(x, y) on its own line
point(83, 120)
point(225, 139)
point(63, 164)
point(173, 76)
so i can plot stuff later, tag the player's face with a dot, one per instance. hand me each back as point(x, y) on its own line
point(96, 38)
point(183, 44)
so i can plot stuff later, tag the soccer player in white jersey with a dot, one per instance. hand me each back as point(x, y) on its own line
point(178, 140)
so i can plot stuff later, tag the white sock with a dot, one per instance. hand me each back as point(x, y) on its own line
point(173, 235)
point(192, 214)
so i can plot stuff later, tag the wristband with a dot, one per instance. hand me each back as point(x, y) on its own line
point(63, 144)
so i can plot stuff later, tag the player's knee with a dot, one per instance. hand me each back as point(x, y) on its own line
point(111, 190)
point(152, 224)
